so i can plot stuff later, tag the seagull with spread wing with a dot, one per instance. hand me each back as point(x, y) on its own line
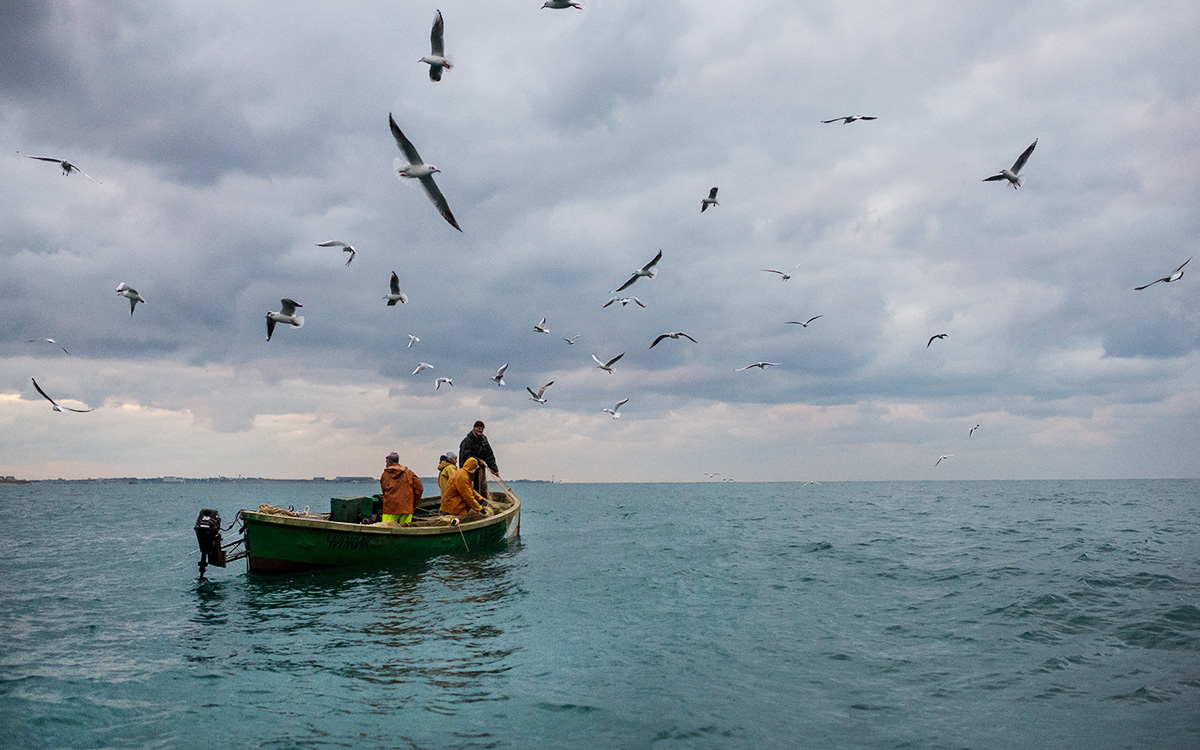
point(783, 275)
point(804, 323)
point(395, 295)
point(539, 395)
point(759, 365)
point(849, 119)
point(648, 271)
point(1013, 173)
point(711, 200)
point(67, 167)
point(55, 404)
point(287, 314)
point(613, 411)
point(437, 56)
point(624, 301)
point(1175, 275)
point(499, 376)
point(130, 294)
point(416, 169)
point(936, 336)
point(51, 341)
point(607, 366)
point(672, 335)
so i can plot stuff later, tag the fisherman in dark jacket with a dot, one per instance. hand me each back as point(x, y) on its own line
point(476, 446)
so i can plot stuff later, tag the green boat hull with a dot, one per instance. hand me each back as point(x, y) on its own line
point(285, 544)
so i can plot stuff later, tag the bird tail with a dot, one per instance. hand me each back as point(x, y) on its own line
point(299, 321)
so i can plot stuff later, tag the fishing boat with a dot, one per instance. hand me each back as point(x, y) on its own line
point(278, 540)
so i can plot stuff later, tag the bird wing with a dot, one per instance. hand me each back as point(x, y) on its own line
point(689, 338)
point(610, 362)
point(435, 38)
point(439, 200)
point(1020, 162)
point(395, 283)
point(500, 372)
point(93, 179)
point(813, 318)
point(1152, 283)
point(833, 120)
point(35, 383)
point(47, 158)
point(994, 177)
point(621, 403)
point(654, 262)
point(597, 360)
point(712, 194)
point(610, 301)
point(287, 306)
point(405, 145)
point(133, 300)
point(270, 327)
point(544, 387)
point(640, 303)
point(627, 284)
point(864, 117)
point(332, 243)
point(772, 270)
point(1181, 265)
point(661, 336)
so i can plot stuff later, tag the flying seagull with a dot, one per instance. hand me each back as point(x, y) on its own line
point(971, 431)
point(395, 295)
point(672, 335)
point(711, 200)
point(1012, 174)
point(607, 366)
point(55, 405)
point(1176, 275)
point(538, 396)
point(437, 383)
point(541, 327)
point(412, 340)
point(52, 341)
point(417, 169)
point(67, 167)
point(613, 411)
point(338, 243)
point(784, 276)
point(421, 367)
point(804, 323)
point(499, 376)
point(562, 4)
point(943, 458)
point(648, 271)
point(572, 339)
point(287, 314)
point(131, 294)
point(624, 301)
point(437, 57)
point(849, 119)
point(936, 336)
point(759, 365)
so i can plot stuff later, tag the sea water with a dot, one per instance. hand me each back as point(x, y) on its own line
point(1034, 614)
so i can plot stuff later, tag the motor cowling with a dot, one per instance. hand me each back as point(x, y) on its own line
point(208, 536)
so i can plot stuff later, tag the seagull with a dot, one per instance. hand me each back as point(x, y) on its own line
point(56, 406)
point(538, 396)
point(287, 314)
point(67, 168)
point(1011, 174)
point(613, 411)
point(1176, 275)
point(849, 119)
point(412, 340)
point(422, 366)
point(572, 339)
point(338, 243)
point(804, 323)
point(437, 57)
point(52, 341)
point(624, 301)
point(562, 4)
point(648, 271)
point(711, 200)
point(936, 336)
point(784, 276)
point(396, 295)
point(943, 458)
point(759, 365)
point(131, 294)
point(971, 431)
point(541, 327)
point(499, 376)
point(672, 335)
point(417, 169)
point(437, 383)
point(607, 366)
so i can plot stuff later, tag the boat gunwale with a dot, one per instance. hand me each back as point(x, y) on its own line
point(252, 516)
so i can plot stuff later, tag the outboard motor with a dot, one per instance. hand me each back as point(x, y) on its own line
point(208, 535)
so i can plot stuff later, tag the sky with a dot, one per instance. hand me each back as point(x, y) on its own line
point(228, 138)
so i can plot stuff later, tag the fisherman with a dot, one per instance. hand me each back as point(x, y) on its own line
point(402, 490)
point(475, 445)
point(460, 497)
point(446, 469)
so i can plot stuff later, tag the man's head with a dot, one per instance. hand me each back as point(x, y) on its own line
point(451, 457)
point(392, 458)
point(478, 427)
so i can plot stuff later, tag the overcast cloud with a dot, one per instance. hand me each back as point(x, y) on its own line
point(229, 138)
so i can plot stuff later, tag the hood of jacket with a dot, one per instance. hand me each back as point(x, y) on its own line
point(395, 470)
point(470, 465)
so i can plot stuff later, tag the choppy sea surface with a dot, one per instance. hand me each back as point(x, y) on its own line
point(1039, 614)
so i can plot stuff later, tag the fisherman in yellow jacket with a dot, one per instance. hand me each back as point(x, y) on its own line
point(447, 468)
point(460, 497)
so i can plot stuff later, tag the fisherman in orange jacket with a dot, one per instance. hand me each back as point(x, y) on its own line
point(460, 497)
point(402, 490)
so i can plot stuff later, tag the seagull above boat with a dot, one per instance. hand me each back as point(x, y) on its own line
point(573, 338)
point(416, 169)
point(437, 383)
point(437, 56)
point(647, 271)
point(499, 376)
point(849, 119)
point(54, 404)
point(607, 366)
point(67, 167)
point(395, 295)
point(541, 327)
point(558, 4)
point(711, 200)
point(412, 340)
point(287, 314)
point(804, 323)
point(1176, 275)
point(971, 431)
point(624, 301)
point(672, 335)
point(338, 243)
point(943, 457)
point(131, 294)
point(936, 336)
point(422, 367)
point(613, 411)
point(1013, 174)
point(51, 341)
point(759, 365)
point(782, 275)
point(538, 396)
